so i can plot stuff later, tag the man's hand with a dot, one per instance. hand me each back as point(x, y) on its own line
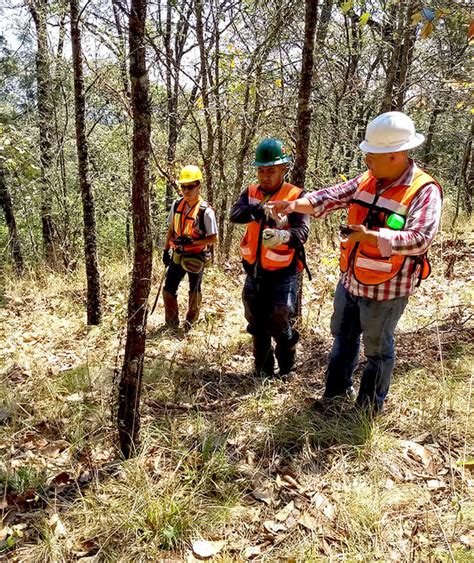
point(166, 259)
point(280, 219)
point(360, 233)
point(182, 241)
point(275, 237)
point(281, 207)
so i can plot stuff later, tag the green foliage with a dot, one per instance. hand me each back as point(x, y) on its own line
point(27, 479)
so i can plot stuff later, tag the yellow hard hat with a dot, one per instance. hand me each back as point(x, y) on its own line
point(189, 174)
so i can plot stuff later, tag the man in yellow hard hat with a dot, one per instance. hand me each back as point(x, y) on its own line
point(192, 228)
point(394, 210)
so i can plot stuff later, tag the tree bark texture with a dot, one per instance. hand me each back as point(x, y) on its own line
point(303, 120)
point(401, 37)
point(132, 370)
point(209, 151)
point(13, 238)
point(38, 10)
point(94, 307)
point(468, 172)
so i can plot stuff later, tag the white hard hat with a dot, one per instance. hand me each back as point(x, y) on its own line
point(392, 131)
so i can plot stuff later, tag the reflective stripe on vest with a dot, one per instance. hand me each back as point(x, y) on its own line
point(270, 258)
point(369, 267)
point(186, 224)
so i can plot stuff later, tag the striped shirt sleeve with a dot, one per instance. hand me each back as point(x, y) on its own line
point(420, 229)
point(327, 200)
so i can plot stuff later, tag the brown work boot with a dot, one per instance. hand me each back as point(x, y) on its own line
point(171, 309)
point(194, 307)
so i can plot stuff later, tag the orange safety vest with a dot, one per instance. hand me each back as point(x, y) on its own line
point(270, 258)
point(187, 224)
point(368, 265)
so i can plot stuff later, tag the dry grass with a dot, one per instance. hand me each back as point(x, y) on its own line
point(214, 438)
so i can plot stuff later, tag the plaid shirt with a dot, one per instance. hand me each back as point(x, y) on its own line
point(416, 237)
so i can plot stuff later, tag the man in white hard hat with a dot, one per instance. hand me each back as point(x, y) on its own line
point(192, 229)
point(394, 210)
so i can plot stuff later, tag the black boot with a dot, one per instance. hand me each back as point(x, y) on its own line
point(285, 353)
point(263, 354)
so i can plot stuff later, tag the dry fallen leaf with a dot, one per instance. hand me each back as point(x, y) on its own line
point(75, 398)
point(252, 551)
point(205, 549)
point(418, 452)
point(274, 527)
point(468, 539)
point(265, 495)
point(57, 527)
point(283, 514)
point(435, 484)
point(322, 503)
point(308, 521)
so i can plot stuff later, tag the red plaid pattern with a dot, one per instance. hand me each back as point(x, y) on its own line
point(417, 235)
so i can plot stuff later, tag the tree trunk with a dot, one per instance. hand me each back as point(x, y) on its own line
point(123, 49)
point(468, 172)
point(430, 133)
point(172, 102)
point(44, 105)
point(132, 370)
point(13, 239)
point(94, 307)
point(303, 121)
point(209, 151)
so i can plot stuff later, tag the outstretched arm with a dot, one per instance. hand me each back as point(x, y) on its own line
point(318, 204)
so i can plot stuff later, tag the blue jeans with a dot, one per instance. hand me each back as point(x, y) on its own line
point(376, 321)
point(269, 304)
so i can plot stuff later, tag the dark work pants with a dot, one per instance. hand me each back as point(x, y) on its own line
point(269, 304)
point(174, 276)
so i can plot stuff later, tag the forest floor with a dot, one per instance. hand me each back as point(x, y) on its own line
point(233, 467)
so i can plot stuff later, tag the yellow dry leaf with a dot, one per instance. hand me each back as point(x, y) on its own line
point(364, 18)
point(426, 30)
point(416, 18)
point(346, 6)
point(278, 83)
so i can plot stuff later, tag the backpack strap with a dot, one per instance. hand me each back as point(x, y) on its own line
point(202, 211)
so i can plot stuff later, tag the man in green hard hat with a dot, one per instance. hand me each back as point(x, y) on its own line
point(271, 256)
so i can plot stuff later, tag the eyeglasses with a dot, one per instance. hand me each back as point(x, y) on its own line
point(189, 186)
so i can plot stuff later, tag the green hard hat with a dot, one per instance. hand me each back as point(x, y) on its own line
point(270, 152)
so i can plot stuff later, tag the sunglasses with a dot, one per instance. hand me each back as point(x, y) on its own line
point(189, 186)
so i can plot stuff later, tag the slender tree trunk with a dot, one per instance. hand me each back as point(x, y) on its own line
point(123, 49)
point(44, 104)
point(94, 307)
point(13, 238)
point(468, 172)
point(303, 121)
point(431, 131)
point(132, 370)
point(172, 101)
point(209, 151)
